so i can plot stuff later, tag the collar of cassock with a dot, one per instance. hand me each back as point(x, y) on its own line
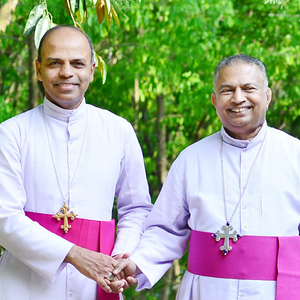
point(66, 115)
point(244, 143)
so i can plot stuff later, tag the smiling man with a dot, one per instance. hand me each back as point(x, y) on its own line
point(241, 97)
point(233, 197)
point(66, 67)
point(62, 165)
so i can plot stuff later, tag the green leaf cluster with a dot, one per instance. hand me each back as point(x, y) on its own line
point(39, 21)
point(169, 49)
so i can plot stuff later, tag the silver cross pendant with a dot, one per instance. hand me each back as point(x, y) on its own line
point(226, 236)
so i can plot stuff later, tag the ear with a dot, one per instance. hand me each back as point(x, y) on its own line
point(214, 99)
point(92, 72)
point(269, 96)
point(38, 70)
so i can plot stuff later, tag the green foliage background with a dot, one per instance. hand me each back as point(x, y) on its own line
point(171, 48)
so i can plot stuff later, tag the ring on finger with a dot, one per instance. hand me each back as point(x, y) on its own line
point(111, 277)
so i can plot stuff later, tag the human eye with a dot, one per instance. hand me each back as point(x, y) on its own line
point(53, 63)
point(78, 64)
point(249, 88)
point(226, 90)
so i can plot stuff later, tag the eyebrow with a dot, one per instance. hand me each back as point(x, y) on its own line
point(245, 84)
point(72, 60)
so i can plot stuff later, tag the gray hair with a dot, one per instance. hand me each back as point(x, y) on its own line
point(240, 58)
point(39, 58)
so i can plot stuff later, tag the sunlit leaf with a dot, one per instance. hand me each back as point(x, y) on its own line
point(100, 63)
point(82, 9)
point(80, 13)
point(107, 4)
point(77, 5)
point(108, 17)
point(42, 26)
point(78, 16)
point(78, 25)
point(85, 8)
point(115, 16)
point(34, 16)
point(100, 11)
point(73, 4)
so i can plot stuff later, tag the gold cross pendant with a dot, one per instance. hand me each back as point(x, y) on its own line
point(65, 215)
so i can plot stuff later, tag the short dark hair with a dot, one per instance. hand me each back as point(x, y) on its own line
point(240, 58)
point(39, 58)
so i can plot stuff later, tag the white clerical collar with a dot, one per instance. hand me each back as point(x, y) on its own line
point(62, 114)
point(245, 143)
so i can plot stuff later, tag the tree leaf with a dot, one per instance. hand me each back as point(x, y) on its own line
point(115, 16)
point(42, 26)
point(107, 16)
point(80, 13)
point(35, 15)
point(73, 5)
point(78, 25)
point(107, 4)
point(100, 11)
point(77, 5)
point(100, 63)
point(78, 16)
point(66, 3)
point(82, 9)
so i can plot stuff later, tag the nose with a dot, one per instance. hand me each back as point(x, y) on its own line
point(238, 96)
point(66, 70)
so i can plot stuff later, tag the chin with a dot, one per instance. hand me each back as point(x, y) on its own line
point(68, 103)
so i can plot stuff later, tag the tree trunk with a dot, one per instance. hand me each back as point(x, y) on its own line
point(161, 140)
point(162, 174)
point(136, 100)
point(33, 95)
point(165, 293)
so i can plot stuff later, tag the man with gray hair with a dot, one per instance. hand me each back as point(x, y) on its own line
point(233, 197)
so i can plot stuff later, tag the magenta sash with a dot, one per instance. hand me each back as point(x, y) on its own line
point(94, 235)
point(251, 258)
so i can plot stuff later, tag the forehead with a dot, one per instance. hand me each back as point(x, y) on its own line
point(66, 42)
point(240, 73)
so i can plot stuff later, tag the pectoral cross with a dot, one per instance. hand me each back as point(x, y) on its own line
point(65, 215)
point(226, 236)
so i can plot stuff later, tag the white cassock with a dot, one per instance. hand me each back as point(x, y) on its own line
point(108, 163)
point(192, 198)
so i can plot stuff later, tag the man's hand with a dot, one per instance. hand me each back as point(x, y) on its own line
point(125, 272)
point(94, 265)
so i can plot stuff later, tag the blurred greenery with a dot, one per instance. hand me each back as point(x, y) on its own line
point(169, 49)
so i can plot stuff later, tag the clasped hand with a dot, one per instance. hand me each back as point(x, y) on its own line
point(100, 267)
point(125, 271)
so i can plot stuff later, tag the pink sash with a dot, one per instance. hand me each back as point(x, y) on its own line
point(251, 258)
point(97, 236)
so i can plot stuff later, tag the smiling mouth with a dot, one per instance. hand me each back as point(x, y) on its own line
point(66, 87)
point(66, 84)
point(239, 110)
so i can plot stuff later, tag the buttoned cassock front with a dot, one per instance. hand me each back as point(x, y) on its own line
point(110, 165)
point(192, 198)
